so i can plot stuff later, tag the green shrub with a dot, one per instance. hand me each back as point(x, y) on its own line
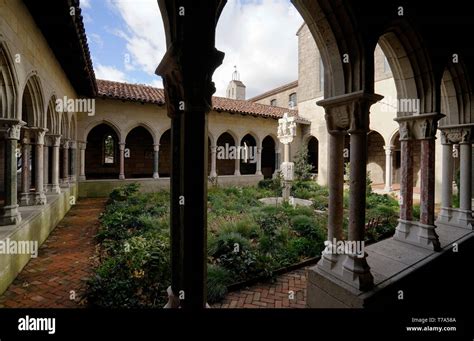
point(136, 276)
point(218, 279)
point(124, 192)
point(246, 227)
point(302, 166)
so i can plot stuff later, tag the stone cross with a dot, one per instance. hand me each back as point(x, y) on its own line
point(286, 134)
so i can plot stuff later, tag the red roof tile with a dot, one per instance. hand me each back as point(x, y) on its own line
point(148, 94)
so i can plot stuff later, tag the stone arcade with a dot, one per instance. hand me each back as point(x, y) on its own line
point(139, 133)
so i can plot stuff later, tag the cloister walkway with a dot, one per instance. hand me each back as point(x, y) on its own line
point(57, 277)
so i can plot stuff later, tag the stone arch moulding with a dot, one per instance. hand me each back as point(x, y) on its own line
point(34, 87)
point(113, 125)
point(8, 82)
point(52, 116)
point(257, 139)
point(145, 126)
point(410, 63)
point(333, 41)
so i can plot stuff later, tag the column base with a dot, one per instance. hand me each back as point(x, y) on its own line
point(82, 178)
point(173, 300)
point(258, 173)
point(40, 198)
point(56, 189)
point(26, 199)
point(121, 177)
point(237, 173)
point(156, 176)
point(416, 233)
point(349, 269)
point(64, 183)
point(456, 217)
point(388, 189)
point(9, 215)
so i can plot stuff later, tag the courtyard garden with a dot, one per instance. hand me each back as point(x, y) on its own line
point(246, 239)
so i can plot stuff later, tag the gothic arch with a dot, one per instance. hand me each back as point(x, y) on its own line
point(145, 126)
point(52, 117)
point(92, 125)
point(32, 107)
point(8, 84)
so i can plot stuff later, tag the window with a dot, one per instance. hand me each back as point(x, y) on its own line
point(292, 101)
point(273, 102)
point(386, 66)
point(109, 150)
point(321, 75)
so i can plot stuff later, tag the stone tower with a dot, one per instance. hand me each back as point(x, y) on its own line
point(236, 89)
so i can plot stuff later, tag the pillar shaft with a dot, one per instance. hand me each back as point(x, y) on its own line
point(406, 180)
point(82, 161)
point(156, 161)
point(336, 186)
point(358, 185)
point(9, 214)
point(237, 165)
point(388, 168)
point(65, 175)
point(213, 161)
point(55, 188)
point(259, 161)
point(465, 176)
point(427, 196)
point(25, 172)
point(447, 176)
point(122, 161)
point(40, 197)
point(73, 161)
point(46, 168)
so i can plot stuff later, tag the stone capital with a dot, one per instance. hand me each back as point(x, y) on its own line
point(122, 146)
point(213, 149)
point(349, 112)
point(55, 140)
point(456, 135)
point(156, 147)
point(82, 145)
point(188, 83)
point(11, 131)
point(65, 143)
point(39, 135)
point(73, 144)
point(418, 127)
point(389, 149)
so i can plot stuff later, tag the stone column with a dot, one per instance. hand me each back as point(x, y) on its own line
point(9, 214)
point(46, 179)
point(447, 179)
point(346, 114)
point(82, 161)
point(25, 195)
point(39, 195)
point(465, 153)
point(213, 173)
point(336, 185)
point(156, 161)
point(237, 164)
point(421, 128)
point(122, 161)
point(73, 161)
point(56, 143)
point(259, 161)
point(388, 167)
point(65, 175)
point(187, 79)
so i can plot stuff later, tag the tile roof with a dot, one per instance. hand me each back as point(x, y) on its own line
point(148, 94)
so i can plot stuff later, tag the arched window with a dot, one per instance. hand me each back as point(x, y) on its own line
point(109, 150)
point(292, 101)
point(273, 102)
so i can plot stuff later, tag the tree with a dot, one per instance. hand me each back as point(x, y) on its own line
point(302, 166)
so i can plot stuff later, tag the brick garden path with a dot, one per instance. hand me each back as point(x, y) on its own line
point(64, 262)
point(270, 295)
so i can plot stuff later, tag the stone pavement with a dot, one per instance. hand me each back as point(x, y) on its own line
point(288, 291)
point(64, 262)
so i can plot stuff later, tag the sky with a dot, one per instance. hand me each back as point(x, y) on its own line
point(127, 42)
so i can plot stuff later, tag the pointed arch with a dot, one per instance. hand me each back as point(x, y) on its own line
point(8, 84)
point(32, 103)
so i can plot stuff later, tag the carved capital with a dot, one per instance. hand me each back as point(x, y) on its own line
point(73, 144)
point(456, 135)
point(156, 147)
point(349, 112)
point(418, 127)
point(188, 82)
point(55, 140)
point(65, 143)
point(82, 145)
point(40, 136)
point(11, 129)
point(122, 147)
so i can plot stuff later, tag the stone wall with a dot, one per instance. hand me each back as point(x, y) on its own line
point(282, 98)
point(37, 224)
point(309, 67)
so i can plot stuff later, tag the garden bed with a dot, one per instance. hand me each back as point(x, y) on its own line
point(247, 240)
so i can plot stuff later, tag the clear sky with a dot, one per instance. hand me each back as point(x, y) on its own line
point(127, 42)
